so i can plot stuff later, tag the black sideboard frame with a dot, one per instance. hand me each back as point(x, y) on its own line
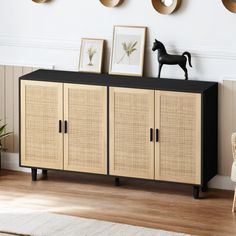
point(209, 112)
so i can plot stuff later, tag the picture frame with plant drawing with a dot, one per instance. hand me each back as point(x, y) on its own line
point(91, 55)
point(128, 48)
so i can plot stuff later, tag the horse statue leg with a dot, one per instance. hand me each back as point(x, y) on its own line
point(186, 73)
point(183, 66)
point(160, 67)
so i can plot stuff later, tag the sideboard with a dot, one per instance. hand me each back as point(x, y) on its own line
point(148, 128)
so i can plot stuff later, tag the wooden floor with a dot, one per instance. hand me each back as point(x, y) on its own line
point(143, 203)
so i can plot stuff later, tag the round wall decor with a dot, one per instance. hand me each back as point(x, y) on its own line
point(230, 5)
point(166, 6)
point(40, 1)
point(111, 3)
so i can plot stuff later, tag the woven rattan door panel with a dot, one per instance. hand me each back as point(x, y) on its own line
point(41, 110)
point(178, 152)
point(85, 109)
point(131, 118)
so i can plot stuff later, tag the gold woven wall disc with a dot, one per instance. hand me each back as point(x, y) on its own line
point(40, 1)
point(230, 5)
point(166, 7)
point(111, 3)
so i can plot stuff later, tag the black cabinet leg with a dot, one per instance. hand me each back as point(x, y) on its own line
point(117, 181)
point(34, 174)
point(204, 188)
point(196, 192)
point(45, 172)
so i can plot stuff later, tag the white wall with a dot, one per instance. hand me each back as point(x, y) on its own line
point(49, 34)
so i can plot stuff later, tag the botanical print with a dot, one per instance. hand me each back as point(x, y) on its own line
point(91, 51)
point(127, 49)
point(91, 55)
point(127, 55)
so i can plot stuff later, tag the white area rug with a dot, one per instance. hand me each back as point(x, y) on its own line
point(48, 224)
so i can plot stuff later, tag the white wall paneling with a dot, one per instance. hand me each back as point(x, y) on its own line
point(9, 107)
point(227, 124)
point(2, 95)
point(9, 103)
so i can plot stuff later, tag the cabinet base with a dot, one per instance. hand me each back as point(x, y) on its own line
point(117, 181)
point(196, 190)
point(204, 188)
point(34, 174)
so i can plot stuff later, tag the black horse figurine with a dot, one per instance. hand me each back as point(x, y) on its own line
point(165, 58)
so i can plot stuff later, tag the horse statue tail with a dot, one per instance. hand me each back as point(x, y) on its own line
point(189, 57)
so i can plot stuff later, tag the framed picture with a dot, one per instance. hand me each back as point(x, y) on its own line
point(127, 56)
point(91, 55)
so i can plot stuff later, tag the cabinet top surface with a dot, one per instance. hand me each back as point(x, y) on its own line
point(119, 81)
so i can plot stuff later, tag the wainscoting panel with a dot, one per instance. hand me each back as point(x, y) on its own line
point(2, 92)
point(227, 124)
point(9, 102)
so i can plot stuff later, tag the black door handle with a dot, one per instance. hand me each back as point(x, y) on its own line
point(157, 135)
point(60, 126)
point(66, 128)
point(151, 135)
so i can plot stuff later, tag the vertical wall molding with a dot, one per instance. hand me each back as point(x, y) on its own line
point(227, 124)
point(2, 94)
point(9, 102)
point(9, 107)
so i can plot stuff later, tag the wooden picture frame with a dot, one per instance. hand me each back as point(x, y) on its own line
point(91, 55)
point(128, 48)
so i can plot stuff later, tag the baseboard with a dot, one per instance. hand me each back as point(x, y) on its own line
point(10, 161)
point(222, 182)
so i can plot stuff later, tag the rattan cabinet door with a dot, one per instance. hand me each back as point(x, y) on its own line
point(41, 110)
point(131, 143)
point(85, 110)
point(178, 150)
